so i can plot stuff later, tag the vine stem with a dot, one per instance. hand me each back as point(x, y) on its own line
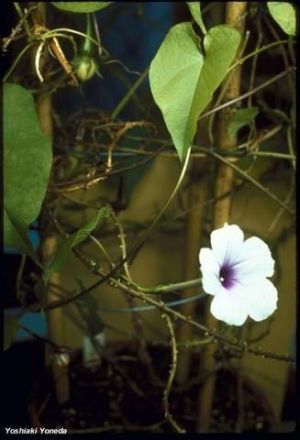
point(255, 59)
point(23, 17)
point(129, 94)
point(241, 346)
point(250, 92)
point(76, 185)
point(197, 192)
point(238, 345)
point(56, 33)
point(16, 61)
point(148, 308)
point(256, 52)
point(133, 252)
point(253, 181)
point(173, 366)
point(13, 35)
point(291, 148)
point(146, 233)
point(170, 287)
point(136, 319)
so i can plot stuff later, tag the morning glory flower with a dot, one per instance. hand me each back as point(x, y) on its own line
point(235, 272)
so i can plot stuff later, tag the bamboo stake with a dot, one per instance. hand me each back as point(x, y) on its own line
point(57, 362)
point(235, 13)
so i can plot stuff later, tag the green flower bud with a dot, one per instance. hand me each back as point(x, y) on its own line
point(85, 67)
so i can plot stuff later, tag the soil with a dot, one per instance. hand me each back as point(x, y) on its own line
point(106, 399)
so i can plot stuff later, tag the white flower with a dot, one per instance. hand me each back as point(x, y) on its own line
point(235, 272)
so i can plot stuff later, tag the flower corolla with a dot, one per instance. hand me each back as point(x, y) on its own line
point(235, 271)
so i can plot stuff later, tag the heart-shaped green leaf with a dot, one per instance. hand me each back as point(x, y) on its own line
point(183, 81)
point(285, 15)
point(65, 250)
point(27, 164)
point(81, 7)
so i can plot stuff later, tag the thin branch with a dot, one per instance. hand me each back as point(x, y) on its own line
point(252, 180)
point(56, 33)
point(254, 62)
point(16, 29)
point(291, 148)
point(172, 372)
point(23, 17)
point(133, 252)
point(76, 185)
point(281, 210)
point(146, 233)
point(241, 346)
point(129, 94)
point(149, 308)
point(170, 287)
point(136, 319)
point(102, 249)
point(257, 51)
point(251, 92)
point(14, 64)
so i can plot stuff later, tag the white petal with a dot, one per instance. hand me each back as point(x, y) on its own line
point(210, 270)
point(208, 261)
point(261, 298)
point(255, 260)
point(226, 243)
point(228, 307)
point(211, 283)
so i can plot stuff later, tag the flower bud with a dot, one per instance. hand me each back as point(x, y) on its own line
point(85, 67)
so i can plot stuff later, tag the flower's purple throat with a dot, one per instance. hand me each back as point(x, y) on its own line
point(227, 276)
